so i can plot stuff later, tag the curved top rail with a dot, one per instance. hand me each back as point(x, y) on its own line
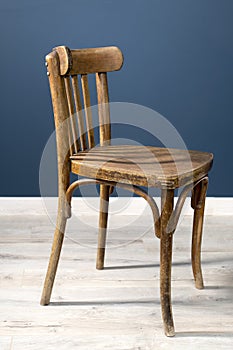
point(90, 60)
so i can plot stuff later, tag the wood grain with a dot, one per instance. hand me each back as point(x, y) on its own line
point(88, 112)
point(199, 194)
point(166, 262)
point(79, 112)
point(143, 166)
point(103, 221)
point(61, 115)
point(103, 108)
point(72, 119)
point(91, 60)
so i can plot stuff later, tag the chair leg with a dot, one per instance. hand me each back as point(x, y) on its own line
point(54, 258)
point(167, 199)
point(198, 204)
point(103, 219)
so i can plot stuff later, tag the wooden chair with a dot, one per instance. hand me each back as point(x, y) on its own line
point(107, 165)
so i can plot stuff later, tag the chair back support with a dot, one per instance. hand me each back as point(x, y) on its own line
point(64, 66)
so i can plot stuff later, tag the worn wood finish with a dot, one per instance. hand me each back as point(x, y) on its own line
point(103, 107)
point(178, 208)
point(88, 112)
point(91, 60)
point(54, 259)
point(143, 166)
point(104, 112)
point(199, 194)
point(166, 262)
point(65, 59)
point(125, 166)
point(72, 119)
point(134, 189)
point(103, 221)
point(61, 113)
point(79, 112)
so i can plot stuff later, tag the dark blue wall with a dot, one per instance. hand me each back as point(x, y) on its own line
point(178, 61)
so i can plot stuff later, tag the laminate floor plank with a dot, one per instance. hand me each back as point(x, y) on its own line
point(117, 308)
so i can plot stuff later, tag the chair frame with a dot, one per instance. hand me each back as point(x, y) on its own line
point(61, 64)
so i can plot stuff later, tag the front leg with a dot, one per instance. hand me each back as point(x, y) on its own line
point(167, 199)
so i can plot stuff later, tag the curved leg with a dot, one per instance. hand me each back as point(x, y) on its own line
point(198, 204)
point(54, 258)
point(167, 197)
point(103, 219)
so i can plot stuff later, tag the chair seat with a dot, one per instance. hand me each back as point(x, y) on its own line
point(142, 165)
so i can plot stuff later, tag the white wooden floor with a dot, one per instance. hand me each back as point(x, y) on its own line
point(117, 308)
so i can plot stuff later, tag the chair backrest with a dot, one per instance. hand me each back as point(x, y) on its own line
point(64, 66)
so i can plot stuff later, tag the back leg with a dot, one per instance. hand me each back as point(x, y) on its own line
point(54, 257)
point(198, 204)
point(103, 220)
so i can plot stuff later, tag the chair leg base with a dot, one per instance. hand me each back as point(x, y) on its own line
point(199, 281)
point(44, 302)
point(199, 286)
point(170, 332)
point(100, 258)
